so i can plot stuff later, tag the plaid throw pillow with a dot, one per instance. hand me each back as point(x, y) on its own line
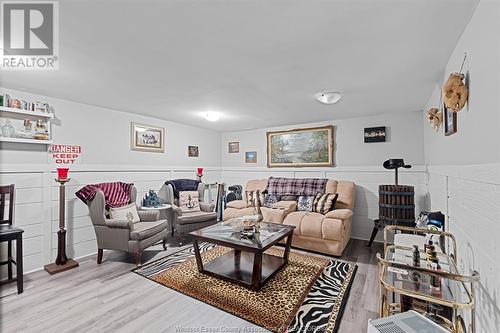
point(325, 202)
point(305, 203)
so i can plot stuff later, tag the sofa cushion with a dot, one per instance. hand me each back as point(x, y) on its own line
point(295, 219)
point(143, 230)
point(230, 213)
point(347, 192)
point(305, 203)
point(311, 225)
point(256, 184)
point(341, 214)
point(194, 217)
point(315, 225)
point(239, 204)
point(331, 186)
point(324, 202)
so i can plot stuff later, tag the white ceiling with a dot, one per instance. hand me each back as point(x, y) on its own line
point(259, 63)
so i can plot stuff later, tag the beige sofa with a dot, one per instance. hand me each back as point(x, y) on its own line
point(327, 233)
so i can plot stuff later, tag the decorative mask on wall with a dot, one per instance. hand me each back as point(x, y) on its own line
point(435, 118)
point(455, 92)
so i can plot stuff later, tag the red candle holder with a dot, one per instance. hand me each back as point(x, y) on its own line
point(199, 172)
point(62, 173)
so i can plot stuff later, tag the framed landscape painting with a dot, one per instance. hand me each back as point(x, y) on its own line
point(305, 147)
point(147, 138)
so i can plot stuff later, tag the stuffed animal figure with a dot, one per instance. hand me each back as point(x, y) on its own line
point(435, 118)
point(455, 92)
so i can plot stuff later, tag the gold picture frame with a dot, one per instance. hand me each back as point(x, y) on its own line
point(147, 138)
point(302, 147)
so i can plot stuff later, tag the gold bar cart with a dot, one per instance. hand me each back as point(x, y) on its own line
point(404, 286)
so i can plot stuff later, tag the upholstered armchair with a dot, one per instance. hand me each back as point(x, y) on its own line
point(122, 235)
point(182, 222)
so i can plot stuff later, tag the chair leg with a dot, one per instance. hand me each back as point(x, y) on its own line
point(99, 256)
point(137, 257)
point(9, 259)
point(164, 243)
point(372, 237)
point(19, 263)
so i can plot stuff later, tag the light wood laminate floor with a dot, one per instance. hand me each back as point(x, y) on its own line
point(110, 298)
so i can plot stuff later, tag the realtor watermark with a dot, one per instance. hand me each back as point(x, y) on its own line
point(30, 35)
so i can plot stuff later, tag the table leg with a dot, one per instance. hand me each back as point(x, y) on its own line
point(257, 271)
point(19, 263)
point(237, 257)
point(287, 247)
point(197, 254)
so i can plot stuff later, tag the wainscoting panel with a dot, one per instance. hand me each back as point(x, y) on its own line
point(37, 204)
point(30, 215)
point(470, 197)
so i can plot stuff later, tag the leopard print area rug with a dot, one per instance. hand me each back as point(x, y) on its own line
point(307, 295)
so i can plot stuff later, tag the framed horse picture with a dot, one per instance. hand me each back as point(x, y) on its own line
point(147, 138)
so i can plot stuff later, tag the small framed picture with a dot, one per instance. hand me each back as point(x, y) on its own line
point(251, 157)
point(234, 147)
point(450, 122)
point(147, 138)
point(375, 134)
point(193, 151)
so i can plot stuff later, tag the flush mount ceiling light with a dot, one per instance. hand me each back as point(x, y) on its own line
point(211, 115)
point(328, 97)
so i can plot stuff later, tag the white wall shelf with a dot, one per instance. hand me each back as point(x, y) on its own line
point(21, 140)
point(39, 114)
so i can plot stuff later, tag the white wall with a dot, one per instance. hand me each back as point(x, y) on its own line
point(476, 141)
point(464, 168)
point(104, 135)
point(354, 160)
point(404, 140)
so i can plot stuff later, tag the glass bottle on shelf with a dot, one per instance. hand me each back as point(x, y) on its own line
point(8, 130)
point(40, 131)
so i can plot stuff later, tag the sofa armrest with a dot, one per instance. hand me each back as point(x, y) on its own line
point(287, 205)
point(207, 207)
point(238, 204)
point(341, 214)
point(119, 224)
point(149, 215)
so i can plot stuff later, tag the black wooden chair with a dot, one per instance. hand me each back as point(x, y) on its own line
point(8, 233)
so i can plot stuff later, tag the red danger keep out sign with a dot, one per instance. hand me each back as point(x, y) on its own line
point(65, 154)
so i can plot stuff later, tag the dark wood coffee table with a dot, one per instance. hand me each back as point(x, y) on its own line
point(246, 264)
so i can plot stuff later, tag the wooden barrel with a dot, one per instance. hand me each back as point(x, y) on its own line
point(397, 205)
